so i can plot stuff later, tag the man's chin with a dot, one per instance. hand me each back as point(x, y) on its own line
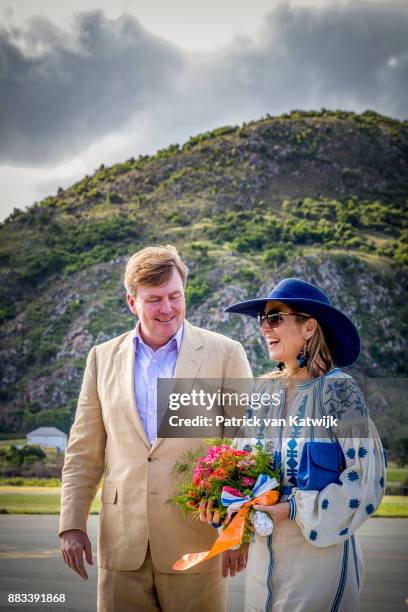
point(166, 331)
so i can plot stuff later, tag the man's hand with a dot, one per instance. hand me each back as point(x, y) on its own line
point(73, 544)
point(234, 561)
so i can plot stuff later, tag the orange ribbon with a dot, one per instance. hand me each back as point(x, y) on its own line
point(231, 536)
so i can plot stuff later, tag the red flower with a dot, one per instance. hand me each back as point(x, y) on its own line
point(219, 474)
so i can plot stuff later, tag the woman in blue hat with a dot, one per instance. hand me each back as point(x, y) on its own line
point(333, 478)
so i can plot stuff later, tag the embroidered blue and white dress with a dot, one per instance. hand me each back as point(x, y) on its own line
point(313, 562)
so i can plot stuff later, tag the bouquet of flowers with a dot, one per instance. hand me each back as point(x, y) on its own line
point(234, 480)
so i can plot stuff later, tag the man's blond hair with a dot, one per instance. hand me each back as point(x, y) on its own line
point(153, 266)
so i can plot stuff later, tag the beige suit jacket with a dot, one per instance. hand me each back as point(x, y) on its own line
point(107, 439)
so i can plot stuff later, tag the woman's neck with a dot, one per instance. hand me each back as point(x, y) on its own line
point(293, 371)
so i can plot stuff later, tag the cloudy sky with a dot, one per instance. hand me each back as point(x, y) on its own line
point(86, 82)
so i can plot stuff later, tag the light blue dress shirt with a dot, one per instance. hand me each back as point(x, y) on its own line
point(149, 366)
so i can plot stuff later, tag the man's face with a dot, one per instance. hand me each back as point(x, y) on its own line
point(161, 310)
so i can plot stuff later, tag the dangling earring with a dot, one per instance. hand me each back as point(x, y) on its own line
point(303, 356)
point(281, 366)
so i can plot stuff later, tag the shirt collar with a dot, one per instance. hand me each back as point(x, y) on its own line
point(174, 340)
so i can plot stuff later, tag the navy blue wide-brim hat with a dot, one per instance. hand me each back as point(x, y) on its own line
point(339, 331)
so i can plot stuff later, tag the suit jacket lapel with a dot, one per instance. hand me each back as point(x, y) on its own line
point(125, 371)
point(191, 355)
point(188, 364)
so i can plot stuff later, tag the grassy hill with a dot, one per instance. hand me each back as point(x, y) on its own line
point(320, 195)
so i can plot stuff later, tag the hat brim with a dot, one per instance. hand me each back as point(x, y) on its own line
point(339, 331)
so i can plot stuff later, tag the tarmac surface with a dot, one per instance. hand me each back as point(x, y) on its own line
point(30, 562)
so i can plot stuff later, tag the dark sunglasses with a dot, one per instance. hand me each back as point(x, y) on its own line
point(274, 319)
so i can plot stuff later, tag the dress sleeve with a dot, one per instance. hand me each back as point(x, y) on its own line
point(329, 516)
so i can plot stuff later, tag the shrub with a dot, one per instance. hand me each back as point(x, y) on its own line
point(59, 417)
point(275, 255)
point(114, 198)
point(23, 456)
point(197, 291)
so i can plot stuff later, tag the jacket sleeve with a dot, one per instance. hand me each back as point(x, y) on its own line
point(85, 454)
point(237, 364)
point(329, 516)
point(237, 381)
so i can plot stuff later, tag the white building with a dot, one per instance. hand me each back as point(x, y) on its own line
point(48, 437)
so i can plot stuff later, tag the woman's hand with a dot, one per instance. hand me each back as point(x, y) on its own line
point(278, 512)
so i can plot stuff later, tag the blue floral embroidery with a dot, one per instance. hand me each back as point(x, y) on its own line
point(369, 508)
point(354, 503)
point(351, 453)
point(343, 395)
point(382, 482)
point(359, 404)
point(362, 451)
point(313, 535)
point(333, 403)
point(325, 504)
point(344, 531)
point(352, 476)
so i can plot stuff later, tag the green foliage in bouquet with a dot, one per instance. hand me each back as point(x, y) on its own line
point(206, 471)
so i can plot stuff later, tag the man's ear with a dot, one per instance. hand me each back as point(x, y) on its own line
point(131, 303)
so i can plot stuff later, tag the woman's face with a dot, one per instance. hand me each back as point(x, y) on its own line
point(287, 339)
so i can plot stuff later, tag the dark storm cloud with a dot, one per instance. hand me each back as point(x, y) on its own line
point(61, 91)
point(355, 56)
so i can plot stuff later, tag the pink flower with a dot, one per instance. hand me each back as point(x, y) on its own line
point(215, 452)
point(246, 481)
point(245, 463)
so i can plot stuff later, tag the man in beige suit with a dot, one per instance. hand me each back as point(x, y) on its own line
point(114, 435)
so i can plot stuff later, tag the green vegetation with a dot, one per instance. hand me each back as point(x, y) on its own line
point(29, 465)
point(319, 194)
point(17, 457)
point(30, 482)
point(196, 291)
point(397, 474)
point(397, 477)
point(59, 417)
point(393, 506)
point(45, 502)
point(9, 439)
point(48, 502)
point(350, 225)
